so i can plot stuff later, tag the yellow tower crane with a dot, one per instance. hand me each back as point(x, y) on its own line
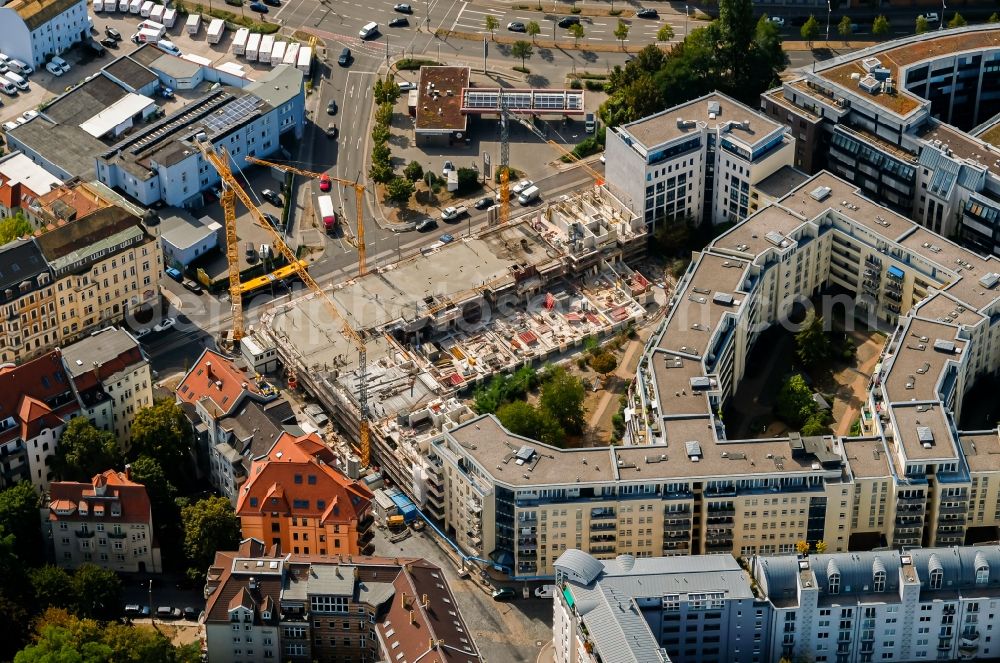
point(220, 161)
point(359, 194)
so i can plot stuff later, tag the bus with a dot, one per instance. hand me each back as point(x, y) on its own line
point(326, 212)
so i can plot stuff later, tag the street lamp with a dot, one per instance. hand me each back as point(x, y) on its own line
point(941, 18)
point(829, 9)
point(687, 15)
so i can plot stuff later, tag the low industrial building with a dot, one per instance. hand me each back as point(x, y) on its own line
point(264, 604)
point(35, 30)
point(107, 522)
point(184, 239)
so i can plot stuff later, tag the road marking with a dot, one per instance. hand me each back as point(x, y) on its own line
point(460, 11)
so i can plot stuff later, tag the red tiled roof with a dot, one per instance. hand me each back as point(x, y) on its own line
point(131, 496)
point(25, 391)
point(302, 469)
point(214, 378)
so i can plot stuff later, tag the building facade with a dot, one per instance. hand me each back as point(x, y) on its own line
point(264, 605)
point(107, 522)
point(35, 30)
point(296, 498)
point(698, 160)
point(27, 296)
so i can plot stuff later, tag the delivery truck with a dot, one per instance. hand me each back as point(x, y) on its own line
point(326, 213)
point(240, 41)
point(193, 24)
point(215, 30)
point(253, 46)
point(305, 57)
point(169, 17)
point(278, 53)
point(266, 46)
point(157, 13)
point(291, 54)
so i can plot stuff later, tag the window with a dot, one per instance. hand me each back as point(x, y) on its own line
point(879, 581)
point(982, 574)
point(937, 575)
point(833, 585)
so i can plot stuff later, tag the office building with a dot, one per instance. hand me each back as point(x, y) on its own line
point(35, 30)
point(267, 605)
point(295, 497)
point(107, 522)
point(698, 160)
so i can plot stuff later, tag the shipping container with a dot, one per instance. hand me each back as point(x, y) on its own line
point(240, 41)
point(253, 46)
point(266, 46)
point(305, 59)
point(193, 24)
point(216, 29)
point(291, 54)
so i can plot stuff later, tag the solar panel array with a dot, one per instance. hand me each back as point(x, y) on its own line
point(533, 100)
point(233, 113)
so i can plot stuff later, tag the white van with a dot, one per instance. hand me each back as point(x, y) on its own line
point(145, 8)
point(19, 67)
point(16, 80)
point(134, 6)
point(7, 86)
point(123, 5)
point(146, 36)
point(369, 30)
point(529, 195)
point(153, 25)
point(98, 5)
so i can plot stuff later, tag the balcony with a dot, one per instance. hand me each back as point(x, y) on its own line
point(474, 506)
point(365, 524)
point(117, 535)
point(87, 534)
point(601, 538)
point(602, 549)
point(368, 548)
point(366, 536)
point(725, 512)
point(601, 514)
point(603, 527)
point(677, 527)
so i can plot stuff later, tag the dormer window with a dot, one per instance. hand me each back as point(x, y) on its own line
point(982, 570)
point(833, 583)
point(879, 581)
point(937, 577)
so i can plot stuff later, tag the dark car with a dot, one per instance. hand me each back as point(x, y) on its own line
point(647, 13)
point(192, 286)
point(113, 34)
point(258, 7)
point(109, 43)
point(271, 197)
point(483, 203)
point(273, 3)
point(345, 57)
point(331, 108)
point(403, 8)
point(399, 22)
point(332, 131)
point(95, 48)
point(190, 614)
point(273, 220)
point(503, 594)
point(567, 21)
point(517, 26)
point(426, 224)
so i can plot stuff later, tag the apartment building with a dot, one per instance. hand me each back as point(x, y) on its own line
point(911, 122)
point(105, 265)
point(922, 604)
point(296, 498)
point(107, 522)
point(691, 609)
point(35, 30)
point(266, 605)
point(249, 433)
point(27, 298)
point(698, 160)
point(22, 182)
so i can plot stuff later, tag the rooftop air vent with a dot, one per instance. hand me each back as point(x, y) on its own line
point(926, 436)
point(870, 84)
point(820, 193)
point(722, 299)
point(871, 64)
point(693, 450)
point(942, 345)
point(714, 108)
point(989, 279)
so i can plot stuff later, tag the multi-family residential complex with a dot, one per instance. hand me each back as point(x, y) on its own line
point(297, 499)
point(78, 277)
point(104, 377)
point(679, 485)
point(35, 30)
point(107, 522)
point(928, 604)
point(700, 160)
point(911, 122)
point(267, 605)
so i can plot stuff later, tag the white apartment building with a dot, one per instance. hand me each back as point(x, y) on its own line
point(35, 30)
point(933, 604)
point(699, 159)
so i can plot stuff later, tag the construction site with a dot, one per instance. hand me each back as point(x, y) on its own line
point(436, 324)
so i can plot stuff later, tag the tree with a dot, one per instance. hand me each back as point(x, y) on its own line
point(810, 30)
point(957, 21)
point(844, 28)
point(603, 362)
point(880, 26)
point(161, 492)
point(163, 432)
point(734, 34)
point(802, 547)
point(922, 25)
point(380, 134)
point(413, 171)
point(522, 49)
point(795, 403)
point(209, 524)
point(994, 18)
point(383, 114)
point(524, 419)
point(533, 30)
point(820, 546)
point(492, 23)
point(13, 227)
point(815, 424)
point(813, 345)
point(385, 91)
point(399, 190)
point(621, 32)
point(562, 398)
point(576, 31)
point(97, 592)
point(665, 33)
point(51, 587)
point(380, 172)
point(468, 180)
point(84, 451)
point(19, 518)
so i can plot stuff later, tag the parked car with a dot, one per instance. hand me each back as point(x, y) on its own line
point(166, 612)
point(113, 34)
point(53, 69)
point(447, 167)
point(521, 186)
point(190, 613)
point(646, 12)
point(399, 22)
point(59, 62)
point(331, 108)
point(109, 42)
point(133, 610)
point(332, 131)
point(545, 591)
point(137, 334)
point(454, 212)
point(273, 3)
point(403, 8)
point(503, 594)
point(167, 92)
point(603, 159)
point(516, 26)
point(932, 17)
point(567, 21)
point(259, 7)
point(174, 273)
point(483, 203)
point(271, 197)
point(406, 86)
point(345, 57)
point(168, 47)
point(777, 20)
point(447, 238)
point(426, 224)
point(164, 325)
point(193, 286)
point(273, 220)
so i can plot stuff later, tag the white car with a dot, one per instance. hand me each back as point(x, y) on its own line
point(545, 591)
point(20, 67)
point(522, 185)
point(53, 69)
point(603, 160)
point(406, 86)
point(59, 62)
point(7, 126)
point(139, 333)
point(167, 323)
point(777, 20)
point(168, 47)
point(931, 17)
